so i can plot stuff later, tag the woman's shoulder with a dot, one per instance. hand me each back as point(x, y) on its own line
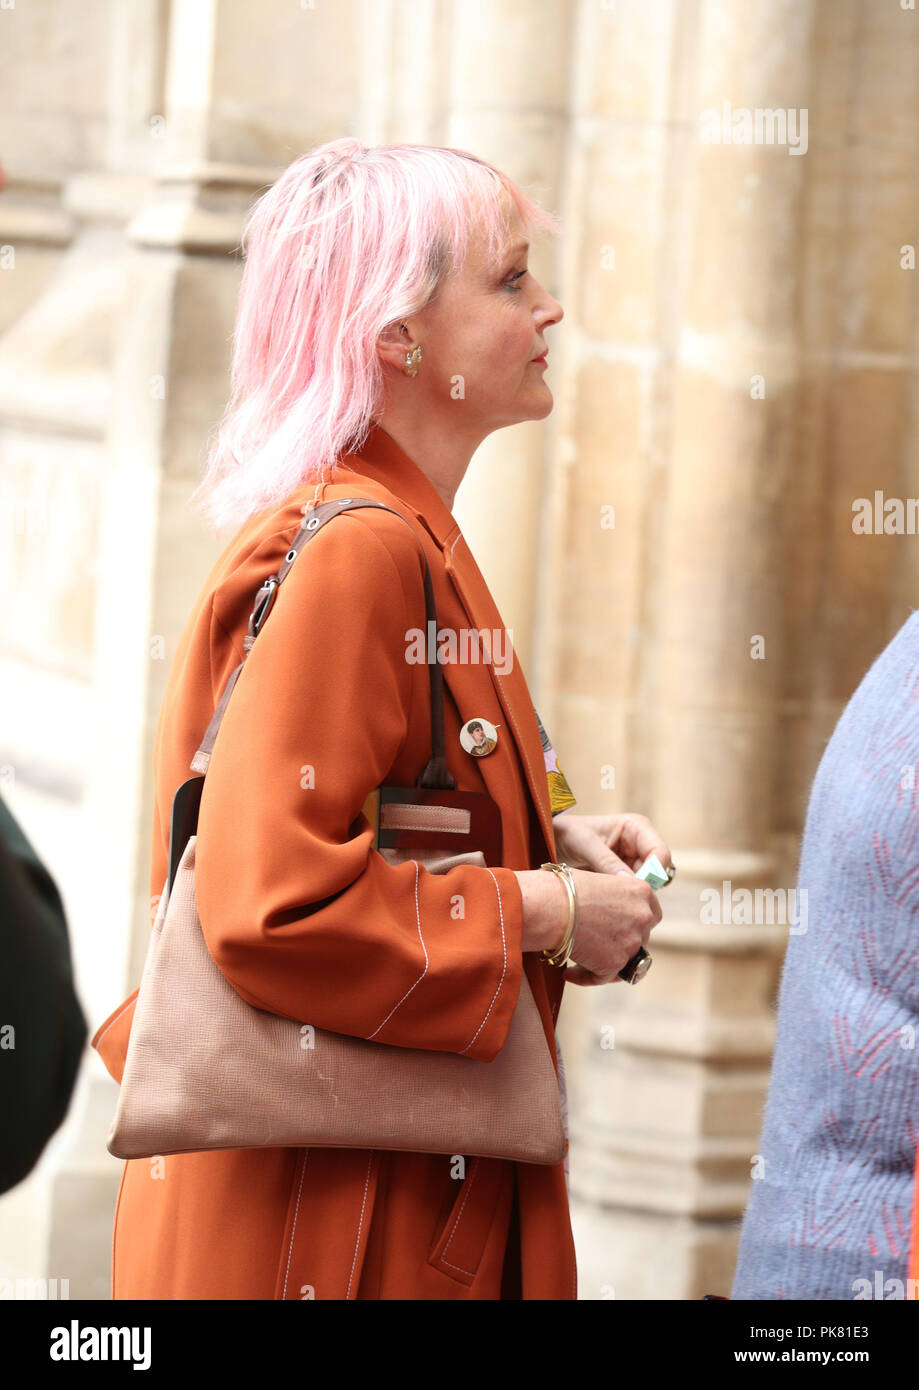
point(358, 550)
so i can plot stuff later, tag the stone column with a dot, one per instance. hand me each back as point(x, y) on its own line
point(857, 412)
point(671, 648)
point(504, 68)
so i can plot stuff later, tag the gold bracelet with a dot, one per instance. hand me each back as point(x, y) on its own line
point(560, 954)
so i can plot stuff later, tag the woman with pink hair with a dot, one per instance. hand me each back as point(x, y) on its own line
point(388, 322)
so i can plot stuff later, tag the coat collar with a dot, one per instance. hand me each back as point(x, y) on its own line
point(384, 462)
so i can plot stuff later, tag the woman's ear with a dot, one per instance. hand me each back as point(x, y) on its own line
point(394, 342)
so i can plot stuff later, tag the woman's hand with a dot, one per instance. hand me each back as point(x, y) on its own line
point(607, 844)
point(616, 910)
point(616, 914)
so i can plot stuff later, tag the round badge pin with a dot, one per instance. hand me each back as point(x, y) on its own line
point(479, 737)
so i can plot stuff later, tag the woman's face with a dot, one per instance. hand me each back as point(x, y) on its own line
point(479, 338)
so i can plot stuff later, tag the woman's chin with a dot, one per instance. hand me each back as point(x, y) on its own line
point(543, 404)
point(535, 407)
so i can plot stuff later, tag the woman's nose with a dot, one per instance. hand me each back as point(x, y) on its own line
point(552, 312)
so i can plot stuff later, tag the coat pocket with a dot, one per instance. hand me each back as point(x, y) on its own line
point(458, 1249)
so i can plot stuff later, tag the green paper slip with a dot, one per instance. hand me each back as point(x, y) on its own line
point(653, 871)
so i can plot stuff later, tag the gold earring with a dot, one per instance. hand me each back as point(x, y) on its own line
point(412, 362)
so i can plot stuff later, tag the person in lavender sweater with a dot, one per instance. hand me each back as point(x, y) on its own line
point(830, 1215)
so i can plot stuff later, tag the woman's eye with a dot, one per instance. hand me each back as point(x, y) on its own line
point(518, 276)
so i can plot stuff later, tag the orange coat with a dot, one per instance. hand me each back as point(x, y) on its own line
point(306, 920)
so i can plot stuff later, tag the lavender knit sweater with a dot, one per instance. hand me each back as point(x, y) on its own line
point(838, 1150)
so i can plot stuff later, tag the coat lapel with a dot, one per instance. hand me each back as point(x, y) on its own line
point(398, 479)
point(511, 689)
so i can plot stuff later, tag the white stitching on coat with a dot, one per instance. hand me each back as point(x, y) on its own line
point(360, 1225)
point(503, 972)
point(113, 1021)
point(290, 1248)
point(426, 961)
point(467, 1187)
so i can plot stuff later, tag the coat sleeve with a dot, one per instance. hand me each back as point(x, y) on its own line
point(301, 914)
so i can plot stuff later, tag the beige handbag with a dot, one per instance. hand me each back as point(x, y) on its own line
point(206, 1070)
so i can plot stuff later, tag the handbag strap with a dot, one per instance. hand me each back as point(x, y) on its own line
point(435, 773)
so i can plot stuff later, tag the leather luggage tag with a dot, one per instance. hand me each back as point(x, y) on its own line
point(410, 819)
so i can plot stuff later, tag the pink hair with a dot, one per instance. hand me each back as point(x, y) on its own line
point(349, 240)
